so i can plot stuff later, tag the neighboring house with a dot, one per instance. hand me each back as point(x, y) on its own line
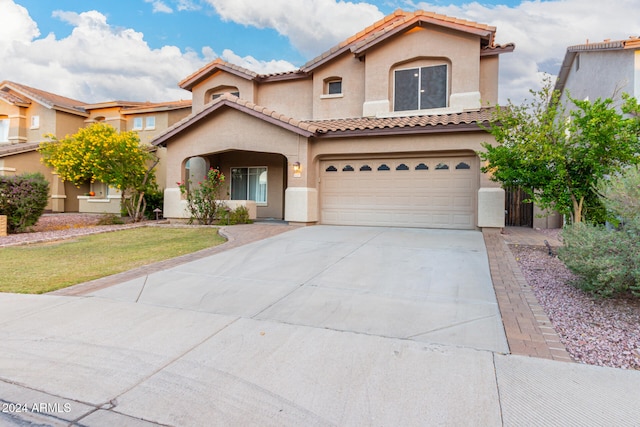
point(28, 114)
point(383, 129)
point(601, 70)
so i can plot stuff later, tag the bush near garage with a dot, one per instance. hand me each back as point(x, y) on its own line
point(23, 199)
point(606, 259)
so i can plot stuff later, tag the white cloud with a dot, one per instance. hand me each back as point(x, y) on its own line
point(96, 62)
point(16, 24)
point(260, 67)
point(312, 26)
point(187, 5)
point(159, 6)
point(542, 31)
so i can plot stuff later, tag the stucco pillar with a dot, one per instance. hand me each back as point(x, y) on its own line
point(174, 205)
point(301, 204)
point(58, 195)
point(491, 207)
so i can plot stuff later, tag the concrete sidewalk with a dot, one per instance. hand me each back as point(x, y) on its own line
point(176, 347)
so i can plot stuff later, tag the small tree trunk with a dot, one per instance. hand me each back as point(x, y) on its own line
point(577, 209)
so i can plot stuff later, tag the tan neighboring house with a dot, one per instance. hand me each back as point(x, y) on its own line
point(381, 130)
point(27, 114)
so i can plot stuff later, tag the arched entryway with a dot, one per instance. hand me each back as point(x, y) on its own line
point(249, 175)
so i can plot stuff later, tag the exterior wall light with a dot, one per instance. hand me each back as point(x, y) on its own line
point(296, 169)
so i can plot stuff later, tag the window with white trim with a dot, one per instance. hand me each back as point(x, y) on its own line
point(150, 122)
point(137, 123)
point(333, 87)
point(420, 88)
point(249, 184)
point(35, 122)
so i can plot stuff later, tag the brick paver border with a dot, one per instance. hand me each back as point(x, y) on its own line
point(528, 329)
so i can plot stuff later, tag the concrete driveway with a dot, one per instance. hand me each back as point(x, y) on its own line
point(317, 326)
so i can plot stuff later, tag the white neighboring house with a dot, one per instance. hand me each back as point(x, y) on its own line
point(605, 69)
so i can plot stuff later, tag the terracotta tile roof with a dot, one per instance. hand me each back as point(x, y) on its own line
point(228, 100)
point(23, 147)
point(388, 26)
point(147, 107)
point(48, 99)
point(339, 127)
point(12, 97)
point(452, 122)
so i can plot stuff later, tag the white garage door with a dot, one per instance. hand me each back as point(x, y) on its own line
point(411, 192)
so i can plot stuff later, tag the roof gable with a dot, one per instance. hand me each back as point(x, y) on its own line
point(249, 108)
point(388, 27)
point(47, 99)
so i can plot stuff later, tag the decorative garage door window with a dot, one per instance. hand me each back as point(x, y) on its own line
point(384, 166)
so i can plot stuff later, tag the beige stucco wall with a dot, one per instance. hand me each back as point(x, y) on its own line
point(489, 67)
point(201, 92)
point(349, 103)
point(289, 97)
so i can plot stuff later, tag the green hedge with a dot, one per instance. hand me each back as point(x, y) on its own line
point(23, 199)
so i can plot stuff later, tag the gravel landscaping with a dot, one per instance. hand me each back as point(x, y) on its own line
point(595, 331)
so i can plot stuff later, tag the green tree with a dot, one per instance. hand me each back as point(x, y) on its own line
point(556, 156)
point(100, 153)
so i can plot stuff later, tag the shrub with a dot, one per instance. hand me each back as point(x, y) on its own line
point(155, 200)
point(110, 219)
point(226, 216)
point(607, 260)
point(202, 200)
point(23, 199)
point(240, 215)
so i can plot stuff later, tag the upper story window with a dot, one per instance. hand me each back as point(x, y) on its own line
point(137, 123)
point(150, 122)
point(35, 122)
point(334, 87)
point(420, 88)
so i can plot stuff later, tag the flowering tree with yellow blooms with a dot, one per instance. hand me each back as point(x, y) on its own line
point(100, 153)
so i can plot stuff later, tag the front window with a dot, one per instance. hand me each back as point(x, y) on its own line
point(420, 88)
point(334, 87)
point(35, 122)
point(137, 123)
point(249, 184)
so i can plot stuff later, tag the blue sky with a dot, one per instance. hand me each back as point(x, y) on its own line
point(139, 49)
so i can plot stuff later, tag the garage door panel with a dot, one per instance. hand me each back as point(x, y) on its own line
point(411, 193)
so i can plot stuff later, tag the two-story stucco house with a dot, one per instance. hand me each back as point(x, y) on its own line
point(382, 129)
point(601, 70)
point(28, 114)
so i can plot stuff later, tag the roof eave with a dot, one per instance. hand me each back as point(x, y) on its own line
point(420, 21)
point(405, 130)
point(190, 121)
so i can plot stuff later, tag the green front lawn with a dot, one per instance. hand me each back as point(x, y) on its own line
point(40, 268)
